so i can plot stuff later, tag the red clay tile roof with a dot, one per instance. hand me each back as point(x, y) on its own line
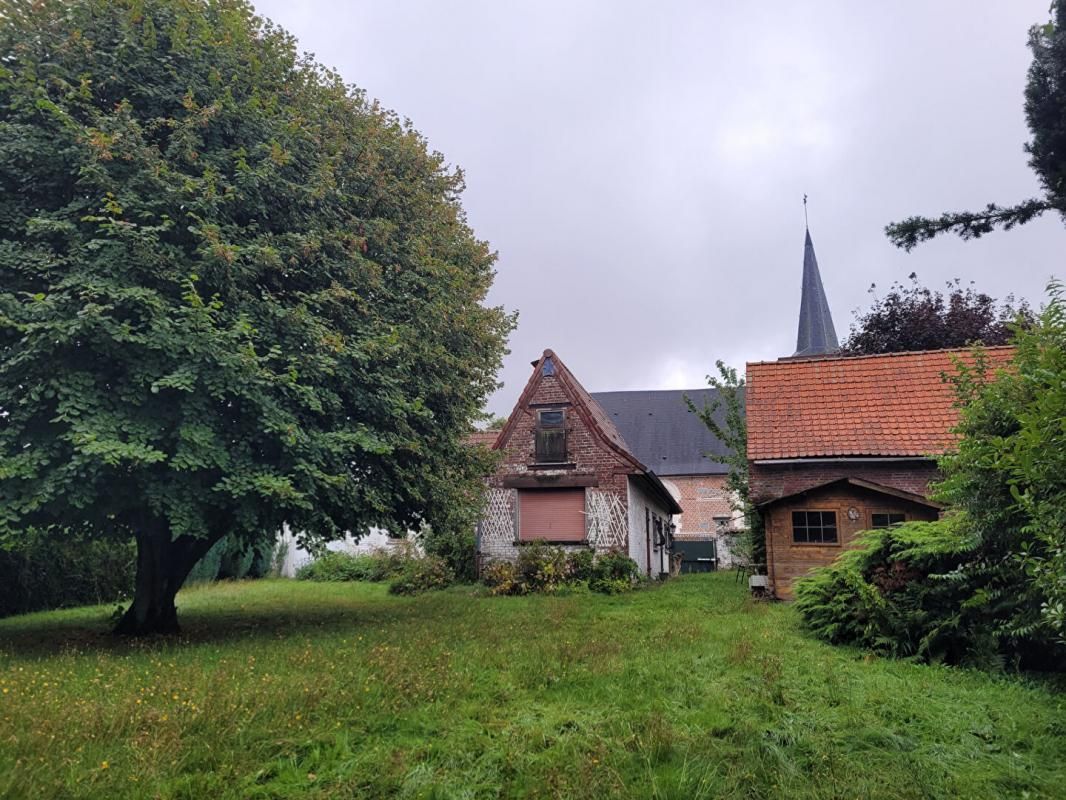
point(886, 405)
point(484, 438)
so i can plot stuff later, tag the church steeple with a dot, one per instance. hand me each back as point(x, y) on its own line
point(816, 334)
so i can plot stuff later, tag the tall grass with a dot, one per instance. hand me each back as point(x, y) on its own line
point(298, 689)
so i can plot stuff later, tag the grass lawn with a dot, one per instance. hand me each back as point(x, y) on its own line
point(293, 689)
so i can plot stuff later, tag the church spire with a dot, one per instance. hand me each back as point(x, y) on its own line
point(816, 334)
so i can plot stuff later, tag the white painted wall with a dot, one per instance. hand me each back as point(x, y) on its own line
point(639, 502)
point(296, 556)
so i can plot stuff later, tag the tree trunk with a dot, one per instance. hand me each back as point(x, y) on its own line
point(163, 565)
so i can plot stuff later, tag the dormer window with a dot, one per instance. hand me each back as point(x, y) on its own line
point(551, 436)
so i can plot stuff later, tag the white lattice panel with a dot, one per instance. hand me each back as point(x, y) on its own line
point(608, 524)
point(497, 520)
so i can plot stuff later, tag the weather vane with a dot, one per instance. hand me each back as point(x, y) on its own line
point(805, 223)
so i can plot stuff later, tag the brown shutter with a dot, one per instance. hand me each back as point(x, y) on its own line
point(555, 515)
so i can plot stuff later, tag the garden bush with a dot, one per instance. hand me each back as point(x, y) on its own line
point(613, 572)
point(421, 575)
point(232, 559)
point(987, 585)
point(380, 565)
point(923, 590)
point(542, 569)
point(44, 573)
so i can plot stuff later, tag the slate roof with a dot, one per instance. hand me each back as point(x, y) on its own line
point(884, 405)
point(816, 334)
point(661, 431)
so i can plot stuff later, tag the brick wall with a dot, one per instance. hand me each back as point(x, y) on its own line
point(705, 501)
point(587, 457)
point(770, 481)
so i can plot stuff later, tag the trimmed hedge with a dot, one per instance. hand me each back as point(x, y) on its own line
point(46, 574)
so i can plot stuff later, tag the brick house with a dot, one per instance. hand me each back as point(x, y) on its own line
point(664, 434)
point(568, 477)
point(837, 445)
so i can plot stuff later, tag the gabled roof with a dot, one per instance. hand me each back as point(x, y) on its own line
point(597, 420)
point(886, 405)
point(661, 431)
point(861, 484)
point(816, 334)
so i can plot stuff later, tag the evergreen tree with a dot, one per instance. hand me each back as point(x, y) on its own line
point(1045, 112)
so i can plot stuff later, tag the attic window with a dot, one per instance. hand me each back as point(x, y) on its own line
point(549, 368)
point(551, 436)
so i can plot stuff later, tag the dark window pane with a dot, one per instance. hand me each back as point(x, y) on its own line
point(887, 519)
point(551, 418)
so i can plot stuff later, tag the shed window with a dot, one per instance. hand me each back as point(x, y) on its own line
point(551, 436)
point(814, 527)
point(555, 515)
point(886, 519)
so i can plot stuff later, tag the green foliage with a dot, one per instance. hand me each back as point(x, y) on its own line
point(422, 575)
point(988, 584)
point(457, 546)
point(725, 418)
point(44, 573)
point(502, 578)
point(613, 572)
point(229, 559)
point(234, 293)
point(542, 569)
point(1009, 473)
point(1045, 113)
point(380, 565)
point(580, 564)
point(295, 689)
point(902, 593)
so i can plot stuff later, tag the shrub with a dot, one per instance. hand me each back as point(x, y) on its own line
point(334, 566)
point(540, 568)
point(457, 548)
point(502, 578)
point(43, 573)
point(232, 559)
point(579, 565)
point(613, 572)
point(375, 566)
point(917, 591)
point(421, 575)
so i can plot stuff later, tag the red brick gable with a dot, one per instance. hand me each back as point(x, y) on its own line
point(887, 405)
point(570, 390)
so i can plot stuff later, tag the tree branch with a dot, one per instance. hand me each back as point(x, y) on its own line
point(965, 224)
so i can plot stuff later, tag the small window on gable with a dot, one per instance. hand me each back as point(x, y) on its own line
point(814, 527)
point(551, 436)
point(886, 519)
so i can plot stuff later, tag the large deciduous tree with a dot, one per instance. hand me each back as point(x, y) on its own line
point(234, 293)
point(915, 317)
point(1045, 112)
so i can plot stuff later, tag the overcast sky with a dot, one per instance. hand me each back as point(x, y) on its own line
point(640, 167)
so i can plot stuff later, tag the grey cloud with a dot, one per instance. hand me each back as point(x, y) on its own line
point(640, 166)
